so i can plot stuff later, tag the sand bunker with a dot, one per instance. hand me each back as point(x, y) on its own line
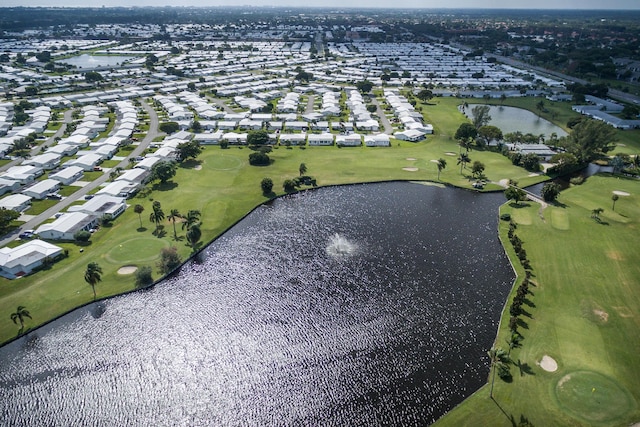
point(449, 153)
point(602, 315)
point(411, 159)
point(127, 269)
point(621, 193)
point(197, 167)
point(548, 364)
point(410, 169)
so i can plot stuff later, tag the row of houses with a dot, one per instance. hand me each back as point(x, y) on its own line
point(602, 109)
point(313, 139)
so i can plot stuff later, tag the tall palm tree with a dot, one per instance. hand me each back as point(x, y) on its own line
point(157, 215)
point(139, 209)
point(192, 218)
point(499, 361)
point(302, 169)
point(193, 236)
point(463, 159)
point(173, 216)
point(442, 163)
point(615, 198)
point(92, 276)
point(19, 315)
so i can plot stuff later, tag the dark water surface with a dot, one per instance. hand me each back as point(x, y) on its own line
point(350, 306)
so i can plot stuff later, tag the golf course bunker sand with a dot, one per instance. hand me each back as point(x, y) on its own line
point(197, 167)
point(548, 364)
point(449, 153)
point(127, 269)
point(411, 159)
point(621, 193)
point(602, 315)
point(410, 169)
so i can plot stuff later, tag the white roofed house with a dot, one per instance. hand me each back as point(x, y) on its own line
point(124, 189)
point(147, 163)
point(46, 161)
point(412, 135)
point(320, 139)
point(102, 204)
point(40, 189)
point(379, 140)
point(24, 174)
point(106, 151)
point(208, 138)
point(8, 186)
point(369, 125)
point(66, 226)
point(16, 202)
point(351, 140)
point(23, 259)
point(135, 175)
point(293, 139)
point(63, 149)
point(164, 153)
point(87, 162)
point(68, 175)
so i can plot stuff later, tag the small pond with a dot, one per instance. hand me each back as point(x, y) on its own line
point(511, 119)
point(96, 61)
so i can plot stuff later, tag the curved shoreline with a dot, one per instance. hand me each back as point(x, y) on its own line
point(198, 253)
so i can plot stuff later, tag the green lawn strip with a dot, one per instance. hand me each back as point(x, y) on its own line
point(585, 317)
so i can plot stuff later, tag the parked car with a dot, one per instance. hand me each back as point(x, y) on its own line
point(27, 234)
point(54, 196)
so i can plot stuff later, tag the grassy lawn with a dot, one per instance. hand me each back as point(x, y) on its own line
point(585, 315)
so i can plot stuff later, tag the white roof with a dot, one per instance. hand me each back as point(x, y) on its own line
point(27, 253)
point(66, 222)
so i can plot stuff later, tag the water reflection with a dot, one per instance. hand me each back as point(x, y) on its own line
point(270, 329)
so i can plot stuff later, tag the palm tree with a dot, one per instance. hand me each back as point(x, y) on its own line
point(193, 236)
point(463, 159)
point(442, 163)
point(139, 209)
point(503, 97)
point(615, 198)
point(499, 361)
point(302, 169)
point(157, 215)
point(92, 276)
point(540, 106)
point(192, 218)
point(173, 216)
point(19, 315)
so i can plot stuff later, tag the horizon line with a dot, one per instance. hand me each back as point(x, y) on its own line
point(320, 7)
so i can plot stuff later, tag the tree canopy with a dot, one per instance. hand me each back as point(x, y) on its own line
point(466, 131)
point(480, 115)
point(590, 139)
point(190, 149)
point(364, 86)
point(258, 137)
point(163, 171)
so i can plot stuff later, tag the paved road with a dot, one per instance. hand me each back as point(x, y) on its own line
point(82, 191)
point(386, 124)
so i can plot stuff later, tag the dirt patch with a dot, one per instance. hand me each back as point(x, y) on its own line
point(621, 193)
point(410, 169)
point(127, 269)
point(550, 365)
point(564, 380)
point(602, 315)
point(615, 255)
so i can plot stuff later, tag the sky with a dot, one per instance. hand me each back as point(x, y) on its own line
point(450, 4)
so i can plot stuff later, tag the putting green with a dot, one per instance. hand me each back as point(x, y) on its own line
point(593, 397)
point(130, 250)
point(521, 216)
point(559, 219)
point(223, 163)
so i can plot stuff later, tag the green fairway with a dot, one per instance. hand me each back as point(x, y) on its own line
point(584, 315)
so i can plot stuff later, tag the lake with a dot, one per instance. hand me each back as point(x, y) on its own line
point(511, 119)
point(357, 305)
point(97, 61)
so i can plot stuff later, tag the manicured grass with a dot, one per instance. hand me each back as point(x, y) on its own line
point(585, 315)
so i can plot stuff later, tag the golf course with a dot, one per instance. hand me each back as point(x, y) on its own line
point(577, 360)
